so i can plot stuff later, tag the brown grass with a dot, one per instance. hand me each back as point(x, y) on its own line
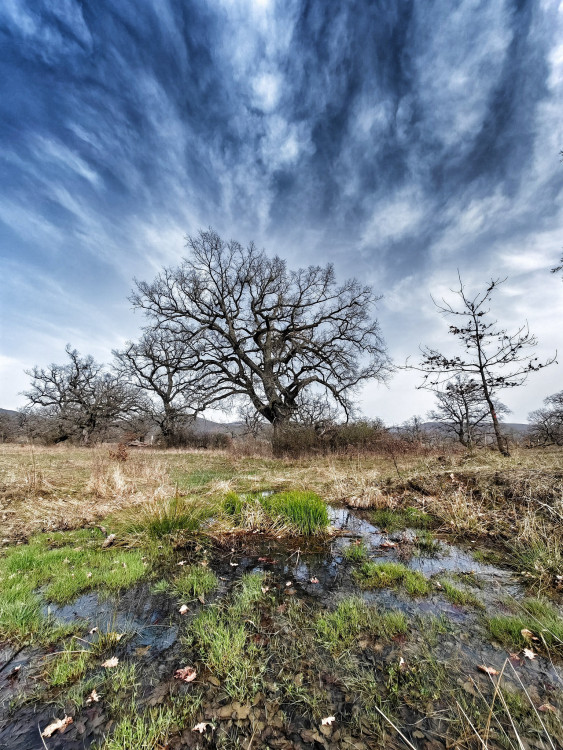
point(485, 494)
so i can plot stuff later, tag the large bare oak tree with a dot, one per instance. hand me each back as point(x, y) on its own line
point(265, 333)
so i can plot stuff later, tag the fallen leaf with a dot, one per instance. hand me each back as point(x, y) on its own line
point(328, 720)
point(57, 726)
point(109, 663)
point(201, 599)
point(186, 674)
point(547, 707)
point(202, 726)
point(487, 670)
point(184, 609)
point(527, 634)
point(529, 654)
point(93, 697)
point(314, 580)
point(387, 543)
point(267, 560)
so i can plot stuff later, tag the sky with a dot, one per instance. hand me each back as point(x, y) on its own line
point(401, 140)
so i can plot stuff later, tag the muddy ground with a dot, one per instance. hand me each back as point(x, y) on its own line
point(427, 686)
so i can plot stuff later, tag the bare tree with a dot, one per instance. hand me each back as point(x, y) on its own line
point(160, 366)
point(491, 356)
point(265, 333)
point(461, 409)
point(547, 423)
point(81, 397)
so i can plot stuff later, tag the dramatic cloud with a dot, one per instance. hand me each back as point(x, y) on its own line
point(401, 141)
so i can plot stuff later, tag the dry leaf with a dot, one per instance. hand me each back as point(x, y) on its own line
point(186, 674)
point(527, 634)
point(328, 720)
point(202, 726)
point(93, 697)
point(108, 540)
point(487, 670)
point(265, 589)
point(387, 543)
point(201, 599)
point(58, 725)
point(184, 609)
point(314, 580)
point(529, 654)
point(547, 707)
point(109, 663)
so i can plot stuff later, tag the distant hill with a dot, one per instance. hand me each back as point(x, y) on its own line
point(520, 428)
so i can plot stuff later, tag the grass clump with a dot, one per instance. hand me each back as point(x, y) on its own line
point(425, 543)
point(338, 630)
point(290, 512)
point(402, 518)
point(536, 615)
point(224, 644)
point(158, 519)
point(356, 552)
point(458, 596)
point(67, 666)
point(195, 581)
point(147, 732)
point(382, 574)
point(304, 510)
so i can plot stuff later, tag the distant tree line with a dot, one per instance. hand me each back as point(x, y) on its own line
point(233, 328)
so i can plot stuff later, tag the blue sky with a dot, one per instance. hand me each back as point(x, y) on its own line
point(398, 140)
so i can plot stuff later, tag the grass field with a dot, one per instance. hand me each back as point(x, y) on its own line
point(224, 538)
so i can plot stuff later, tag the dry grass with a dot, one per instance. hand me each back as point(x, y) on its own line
point(481, 494)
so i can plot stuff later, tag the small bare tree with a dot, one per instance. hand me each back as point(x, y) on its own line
point(547, 423)
point(81, 397)
point(263, 333)
point(161, 367)
point(461, 409)
point(491, 356)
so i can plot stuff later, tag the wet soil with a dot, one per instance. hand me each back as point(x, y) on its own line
point(317, 573)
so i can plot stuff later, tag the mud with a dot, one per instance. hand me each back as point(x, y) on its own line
point(317, 573)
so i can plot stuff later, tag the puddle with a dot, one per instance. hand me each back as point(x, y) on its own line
point(317, 572)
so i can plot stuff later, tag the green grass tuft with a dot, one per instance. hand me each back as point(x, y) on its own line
point(195, 581)
point(338, 630)
point(382, 574)
point(356, 552)
point(402, 518)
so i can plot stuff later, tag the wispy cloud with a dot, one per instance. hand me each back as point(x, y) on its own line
point(401, 141)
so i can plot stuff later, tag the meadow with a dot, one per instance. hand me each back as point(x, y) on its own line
point(167, 598)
